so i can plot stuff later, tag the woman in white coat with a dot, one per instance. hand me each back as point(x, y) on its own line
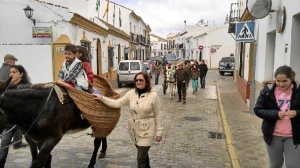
point(145, 124)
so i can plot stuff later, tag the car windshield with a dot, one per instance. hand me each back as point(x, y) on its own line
point(153, 58)
point(170, 57)
point(134, 66)
point(124, 66)
point(227, 59)
point(146, 65)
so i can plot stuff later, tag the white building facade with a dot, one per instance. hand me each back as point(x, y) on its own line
point(201, 42)
point(158, 45)
point(67, 22)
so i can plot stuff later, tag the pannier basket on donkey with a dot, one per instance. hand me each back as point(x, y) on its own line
point(102, 117)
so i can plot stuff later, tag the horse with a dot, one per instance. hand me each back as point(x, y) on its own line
point(42, 118)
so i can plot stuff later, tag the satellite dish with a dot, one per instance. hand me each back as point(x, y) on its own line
point(259, 9)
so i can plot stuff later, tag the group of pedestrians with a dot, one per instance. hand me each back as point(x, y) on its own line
point(183, 74)
point(189, 72)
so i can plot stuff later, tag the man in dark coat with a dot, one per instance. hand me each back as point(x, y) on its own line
point(181, 77)
point(4, 70)
point(188, 68)
point(203, 70)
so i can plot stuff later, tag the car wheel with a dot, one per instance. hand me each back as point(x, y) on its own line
point(119, 85)
point(221, 73)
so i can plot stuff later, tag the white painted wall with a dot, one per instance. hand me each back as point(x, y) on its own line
point(34, 58)
point(156, 46)
point(268, 25)
point(246, 61)
point(205, 41)
point(16, 36)
point(219, 39)
point(16, 24)
point(124, 13)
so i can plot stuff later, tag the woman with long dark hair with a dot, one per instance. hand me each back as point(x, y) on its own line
point(19, 77)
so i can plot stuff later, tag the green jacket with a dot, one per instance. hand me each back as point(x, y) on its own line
point(195, 75)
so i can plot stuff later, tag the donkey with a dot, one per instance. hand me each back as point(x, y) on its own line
point(171, 82)
point(41, 117)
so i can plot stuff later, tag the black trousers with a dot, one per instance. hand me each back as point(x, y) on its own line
point(181, 89)
point(104, 144)
point(143, 156)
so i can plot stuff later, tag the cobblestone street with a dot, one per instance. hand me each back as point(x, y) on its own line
point(189, 139)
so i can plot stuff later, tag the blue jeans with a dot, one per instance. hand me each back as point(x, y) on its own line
point(202, 81)
point(6, 140)
point(156, 78)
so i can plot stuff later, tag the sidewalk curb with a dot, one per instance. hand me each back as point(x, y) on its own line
point(231, 149)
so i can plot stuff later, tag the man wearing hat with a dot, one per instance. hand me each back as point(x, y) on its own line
point(4, 75)
point(181, 77)
point(4, 70)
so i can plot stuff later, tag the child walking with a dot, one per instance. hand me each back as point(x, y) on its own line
point(195, 75)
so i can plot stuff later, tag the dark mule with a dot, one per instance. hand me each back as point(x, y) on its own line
point(97, 143)
point(43, 129)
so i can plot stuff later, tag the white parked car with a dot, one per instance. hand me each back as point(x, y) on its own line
point(127, 70)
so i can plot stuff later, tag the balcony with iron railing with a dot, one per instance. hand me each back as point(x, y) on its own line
point(140, 39)
point(134, 38)
point(233, 17)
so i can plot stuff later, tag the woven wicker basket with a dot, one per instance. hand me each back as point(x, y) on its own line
point(103, 118)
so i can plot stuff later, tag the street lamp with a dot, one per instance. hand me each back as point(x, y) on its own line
point(29, 12)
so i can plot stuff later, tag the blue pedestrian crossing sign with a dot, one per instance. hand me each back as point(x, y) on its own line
point(245, 32)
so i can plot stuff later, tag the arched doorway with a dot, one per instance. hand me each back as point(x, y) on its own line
point(59, 53)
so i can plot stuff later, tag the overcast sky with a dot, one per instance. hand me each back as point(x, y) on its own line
point(165, 16)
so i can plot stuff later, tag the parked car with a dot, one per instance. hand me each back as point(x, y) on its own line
point(153, 58)
point(226, 64)
point(179, 59)
point(170, 57)
point(127, 70)
point(148, 67)
point(150, 62)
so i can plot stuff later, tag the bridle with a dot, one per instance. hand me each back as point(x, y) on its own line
point(47, 100)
